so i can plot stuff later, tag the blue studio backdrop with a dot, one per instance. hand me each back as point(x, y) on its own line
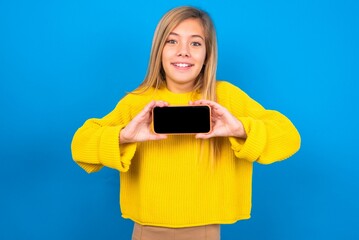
point(62, 62)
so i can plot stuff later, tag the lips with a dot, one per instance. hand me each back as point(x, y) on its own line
point(182, 65)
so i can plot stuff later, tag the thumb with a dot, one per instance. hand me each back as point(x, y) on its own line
point(204, 135)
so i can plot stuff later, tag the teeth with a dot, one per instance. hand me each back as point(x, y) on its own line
point(182, 65)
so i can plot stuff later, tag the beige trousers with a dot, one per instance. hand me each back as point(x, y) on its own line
point(208, 232)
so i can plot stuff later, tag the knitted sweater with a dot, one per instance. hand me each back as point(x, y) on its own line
point(165, 183)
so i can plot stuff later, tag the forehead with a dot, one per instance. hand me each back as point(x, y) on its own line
point(189, 27)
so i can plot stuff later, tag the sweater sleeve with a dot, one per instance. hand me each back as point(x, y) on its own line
point(96, 143)
point(271, 136)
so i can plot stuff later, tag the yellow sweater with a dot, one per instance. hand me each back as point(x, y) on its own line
point(163, 183)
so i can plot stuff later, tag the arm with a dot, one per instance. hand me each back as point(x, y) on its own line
point(256, 134)
point(96, 143)
point(112, 140)
point(271, 136)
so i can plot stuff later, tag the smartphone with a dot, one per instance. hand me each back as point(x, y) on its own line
point(181, 119)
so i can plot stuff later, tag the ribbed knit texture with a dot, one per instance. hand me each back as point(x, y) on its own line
point(164, 183)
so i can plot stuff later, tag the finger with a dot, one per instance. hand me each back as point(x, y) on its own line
point(144, 114)
point(158, 137)
point(202, 102)
point(216, 108)
point(161, 104)
point(152, 104)
point(212, 104)
point(204, 135)
point(148, 108)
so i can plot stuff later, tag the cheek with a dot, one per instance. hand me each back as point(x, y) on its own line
point(201, 56)
point(167, 52)
point(165, 61)
point(164, 56)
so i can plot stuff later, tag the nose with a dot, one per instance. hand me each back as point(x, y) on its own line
point(183, 50)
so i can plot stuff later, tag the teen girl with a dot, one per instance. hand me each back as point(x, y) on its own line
point(185, 186)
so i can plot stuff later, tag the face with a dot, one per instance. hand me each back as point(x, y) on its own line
point(183, 55)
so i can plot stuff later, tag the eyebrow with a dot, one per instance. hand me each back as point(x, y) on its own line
point(195, 35)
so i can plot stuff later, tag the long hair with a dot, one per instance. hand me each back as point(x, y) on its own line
point(205, 83)
point(206, 80)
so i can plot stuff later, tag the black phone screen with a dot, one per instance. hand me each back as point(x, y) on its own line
point(182, 119)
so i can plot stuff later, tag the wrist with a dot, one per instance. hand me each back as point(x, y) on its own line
point(122, 139)
point(240, 132)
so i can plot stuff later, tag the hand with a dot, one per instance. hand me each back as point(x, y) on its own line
point(224, 124)
point(139, 129)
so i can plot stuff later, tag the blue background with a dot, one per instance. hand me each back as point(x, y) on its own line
point(62, 62)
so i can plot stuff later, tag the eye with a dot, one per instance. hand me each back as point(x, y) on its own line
point(171, 41)
point(196, 44)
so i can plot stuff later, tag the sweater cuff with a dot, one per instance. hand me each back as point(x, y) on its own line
point(250, 148)
point(112, 154)
point(127, 151)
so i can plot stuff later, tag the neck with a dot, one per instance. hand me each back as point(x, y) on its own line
point(180, 88)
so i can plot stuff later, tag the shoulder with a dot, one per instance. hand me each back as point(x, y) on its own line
point(136, 97)
point(131, 104)
point(223, 84)
point(232, 97)
point(225, 88)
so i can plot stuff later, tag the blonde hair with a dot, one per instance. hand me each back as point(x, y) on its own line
point(205, 83)
point(206, 80)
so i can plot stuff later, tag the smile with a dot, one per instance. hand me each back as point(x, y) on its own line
point(183, 65)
